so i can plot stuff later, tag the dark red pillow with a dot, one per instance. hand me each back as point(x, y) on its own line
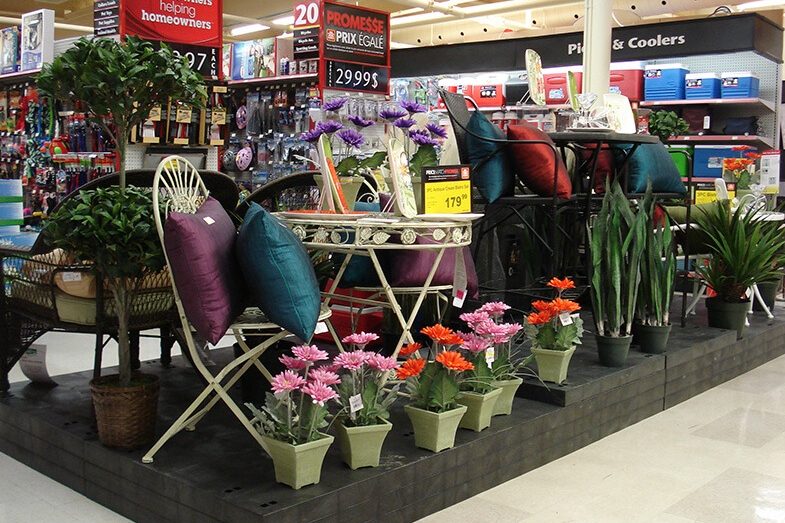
point(533, 163)
point(606, 166)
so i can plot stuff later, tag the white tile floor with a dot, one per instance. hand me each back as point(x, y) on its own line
point(719, 457)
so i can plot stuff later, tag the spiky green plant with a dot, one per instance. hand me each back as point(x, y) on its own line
point(616, 240)
point(744, 250)
point(658, 267)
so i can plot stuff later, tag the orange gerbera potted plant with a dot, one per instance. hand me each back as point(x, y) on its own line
point(554, 329)
point(433, 387)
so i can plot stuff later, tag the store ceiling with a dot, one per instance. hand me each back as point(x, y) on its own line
point(446, 21)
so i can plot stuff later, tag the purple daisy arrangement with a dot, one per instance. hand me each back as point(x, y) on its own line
point(359, 121)
point(334, 104)
point(404, 123)
point(436, 130)
point(329, 126)
point(392, 113)
point(311, 136)
point(351, 137)
point(413, 107)
point(422, 137)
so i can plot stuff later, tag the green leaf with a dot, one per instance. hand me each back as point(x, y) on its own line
point(424, 157)
point(443, 390)
point(375, 161)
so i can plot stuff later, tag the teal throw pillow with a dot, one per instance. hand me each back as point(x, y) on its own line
point(491, 170)
point(278, 273)
point(359, 271)
point(650, 161)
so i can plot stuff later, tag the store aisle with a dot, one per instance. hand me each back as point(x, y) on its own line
point(718, 457)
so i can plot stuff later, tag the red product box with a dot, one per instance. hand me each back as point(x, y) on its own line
point(488, 95)
point(556, 85)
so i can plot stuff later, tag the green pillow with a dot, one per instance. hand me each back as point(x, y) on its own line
point(278, 273)
point(650, 161)
point(491, 170)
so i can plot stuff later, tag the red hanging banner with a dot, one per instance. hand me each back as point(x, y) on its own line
point(193, 22)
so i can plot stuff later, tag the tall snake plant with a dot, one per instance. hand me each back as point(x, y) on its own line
point(658, 267)
point(617, 240)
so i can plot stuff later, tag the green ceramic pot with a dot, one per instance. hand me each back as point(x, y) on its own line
point(298, 465)
point(480, 409)
point(652, 339)
point(552, 365)
point(768, 291)
point(613, 351)
point(362, 446)
point(503, 405)
point(727, 315)
point(434, 431)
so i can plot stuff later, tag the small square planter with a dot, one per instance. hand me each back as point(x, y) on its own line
point(552, 365)
point(298, 465)
point(362, 446)
point(503, 405)
point(434, 431)
point(480, 409)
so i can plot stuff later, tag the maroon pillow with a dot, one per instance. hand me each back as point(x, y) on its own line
point(200, 248)
point(411, 268)
point(533, 163)
point(606, 166)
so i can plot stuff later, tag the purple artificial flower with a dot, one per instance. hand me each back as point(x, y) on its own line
point(359, 121)
point(335, 104)
point(423, 138)
point(413, 107)
point(311, 136)
point(392, 113)
point(404, 123)
point(436, 130)
point(328, 126)
point(351, 137)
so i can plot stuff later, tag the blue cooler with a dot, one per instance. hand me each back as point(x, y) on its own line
point(707, 159)
point(701, 86)
point(664, 82)
point(11, 211)
point(740, 85)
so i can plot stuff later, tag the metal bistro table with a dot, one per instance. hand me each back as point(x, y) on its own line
point(369, 236)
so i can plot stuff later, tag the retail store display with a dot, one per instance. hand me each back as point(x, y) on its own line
point(537, 163)
point(38, 33)
point(9, 50)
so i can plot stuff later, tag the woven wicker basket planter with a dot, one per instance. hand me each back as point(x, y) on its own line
point(125, 415)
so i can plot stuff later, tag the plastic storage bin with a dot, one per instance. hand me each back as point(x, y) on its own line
point(627, 79)
point(707, 160)
point(664, 82)
point(556, 84)
point(701, 86)
point(740, 85)
point(679, 157)
point(488, 94)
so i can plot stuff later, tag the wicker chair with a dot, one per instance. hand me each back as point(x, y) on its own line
point(180, 187)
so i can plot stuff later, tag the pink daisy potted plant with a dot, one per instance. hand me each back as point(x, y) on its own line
point(362, 424)
point(293, 414)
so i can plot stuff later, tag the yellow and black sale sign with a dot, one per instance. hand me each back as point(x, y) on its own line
point(447, 189)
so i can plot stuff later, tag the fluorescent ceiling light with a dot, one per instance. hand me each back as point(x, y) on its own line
point(286, 35)
point(760, 4)
point(284, 20)
point(422, 17)
point(400, 45)
point(247, 29)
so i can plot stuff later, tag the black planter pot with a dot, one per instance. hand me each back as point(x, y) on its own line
point(727, 315)
point(613, 351)
point(768, 291)
point(652, 339)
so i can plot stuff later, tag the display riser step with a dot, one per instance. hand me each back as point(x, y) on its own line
point(218, 473)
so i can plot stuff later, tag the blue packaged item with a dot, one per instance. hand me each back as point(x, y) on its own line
point(740, 85)
point(664, 82)
point(701, 86)
point(707, 159)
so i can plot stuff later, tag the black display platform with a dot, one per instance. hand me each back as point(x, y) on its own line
point(218, 473)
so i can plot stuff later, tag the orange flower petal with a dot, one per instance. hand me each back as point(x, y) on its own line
point(409, 349)
point(453, 360)
point(410, 368)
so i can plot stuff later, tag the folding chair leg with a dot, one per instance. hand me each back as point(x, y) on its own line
point(696, 298)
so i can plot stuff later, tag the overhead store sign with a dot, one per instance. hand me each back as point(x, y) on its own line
point(106, 18)
point(307, 19)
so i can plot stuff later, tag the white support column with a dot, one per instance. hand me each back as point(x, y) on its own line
point(597, 46)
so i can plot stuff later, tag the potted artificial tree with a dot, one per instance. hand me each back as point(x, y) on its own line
point(117, 84)
point(616, 241)
point(658, 272)
point(744, 250)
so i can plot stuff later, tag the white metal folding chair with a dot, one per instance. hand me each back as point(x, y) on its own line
point(178, 185)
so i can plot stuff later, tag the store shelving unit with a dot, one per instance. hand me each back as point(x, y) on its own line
point(754, 102)
point(18, 77)
point(753, 140)
point(252, 82)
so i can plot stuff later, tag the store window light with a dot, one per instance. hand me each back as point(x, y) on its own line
point(247, 29)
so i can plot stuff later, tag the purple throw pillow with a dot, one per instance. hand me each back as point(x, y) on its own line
point(200, 248)
point(411, 268)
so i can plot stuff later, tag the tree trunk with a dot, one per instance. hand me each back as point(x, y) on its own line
point(122, 144)
point(123, 308)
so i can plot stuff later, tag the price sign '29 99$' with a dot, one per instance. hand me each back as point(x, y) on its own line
point(357, 77)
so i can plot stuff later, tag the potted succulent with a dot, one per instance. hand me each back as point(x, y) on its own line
point(500, 353)
point(362, 424)
point(744, 250)
point(616, 242)
point(554, 329)
point(658, 272)
point(117, 84)
point(292, 415)
point(433, 387)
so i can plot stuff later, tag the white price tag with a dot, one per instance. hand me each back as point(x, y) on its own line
point(321, 328)
point(459, 296)
point(565, 319)
point(355, 403)
point(208, 220)
point(71, 276)
point(490, 355)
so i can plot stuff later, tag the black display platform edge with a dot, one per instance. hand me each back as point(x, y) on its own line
point(218, 474)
